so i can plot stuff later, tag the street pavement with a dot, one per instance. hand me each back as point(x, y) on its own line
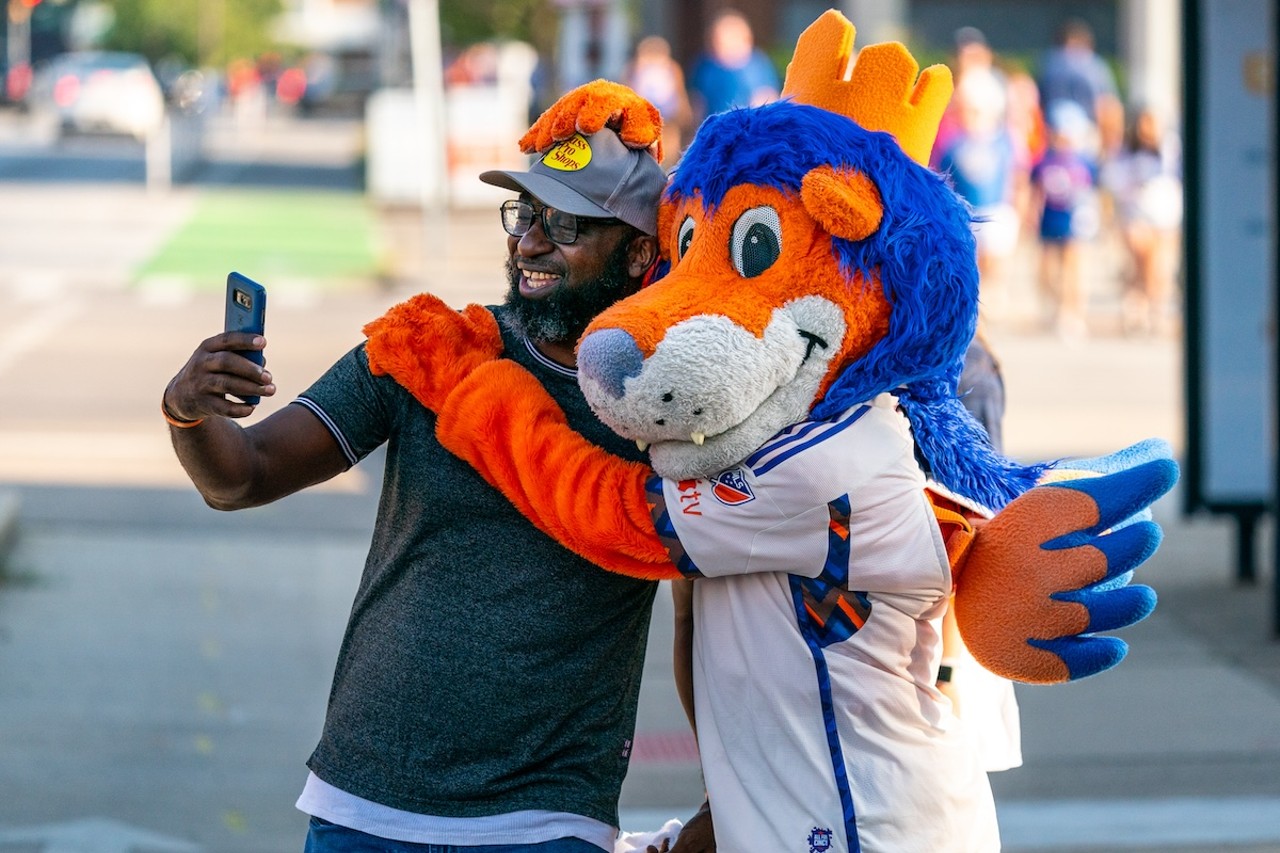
point(165, 666)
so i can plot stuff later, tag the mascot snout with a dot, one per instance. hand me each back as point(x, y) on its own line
point(608, 357)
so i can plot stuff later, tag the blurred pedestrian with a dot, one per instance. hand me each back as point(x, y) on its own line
point(245, 89)
point(972, 58)
point(1030, 136)
point(985, 144)
point(980, 160)
point(474, 65)
point(655, 75)
point(732, 71)
point(1073, 72)
point(1146, 182)
point(1064, 183)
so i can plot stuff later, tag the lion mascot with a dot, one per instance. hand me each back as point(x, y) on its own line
point(793, 377)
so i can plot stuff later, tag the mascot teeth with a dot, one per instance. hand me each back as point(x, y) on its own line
point(698, 438)
point(643, 445)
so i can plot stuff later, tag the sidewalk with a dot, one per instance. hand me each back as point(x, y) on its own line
point(166, 668)
point(166, 665)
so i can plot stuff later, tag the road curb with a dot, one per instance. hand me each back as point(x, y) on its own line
point(9, 505)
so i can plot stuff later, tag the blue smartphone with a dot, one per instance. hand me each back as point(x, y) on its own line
point(247, 312)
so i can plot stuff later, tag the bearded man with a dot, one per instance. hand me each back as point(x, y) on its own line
point(486, 689)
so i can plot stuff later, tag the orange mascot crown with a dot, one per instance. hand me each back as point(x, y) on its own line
point(877, 88)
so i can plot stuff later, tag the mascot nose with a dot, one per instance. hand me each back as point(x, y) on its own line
point(608, 357)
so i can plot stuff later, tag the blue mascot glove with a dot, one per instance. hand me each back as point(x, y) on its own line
point(1143, 451)
point(1051, 570)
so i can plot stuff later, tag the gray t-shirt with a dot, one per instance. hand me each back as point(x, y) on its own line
point(484, 668)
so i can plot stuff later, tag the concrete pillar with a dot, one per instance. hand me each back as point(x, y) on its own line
point(594, 41)
point(428, 89)
point(615, 47)
point(571, 53)
point(1150, 47)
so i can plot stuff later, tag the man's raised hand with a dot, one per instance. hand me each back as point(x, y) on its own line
point(215, 370)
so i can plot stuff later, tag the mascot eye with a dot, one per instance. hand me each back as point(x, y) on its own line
point(686, 237)
point(756, 242)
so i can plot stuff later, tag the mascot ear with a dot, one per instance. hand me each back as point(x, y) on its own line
point(846, 203)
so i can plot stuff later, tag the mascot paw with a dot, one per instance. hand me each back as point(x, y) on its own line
point(429, 347)
point(592, 107)
point(1051, 570)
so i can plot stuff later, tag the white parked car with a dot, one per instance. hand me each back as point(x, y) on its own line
point(99, 91)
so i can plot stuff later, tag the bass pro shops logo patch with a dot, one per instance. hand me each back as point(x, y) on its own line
point(731, 488)
point(819, 840)
point(569, 156)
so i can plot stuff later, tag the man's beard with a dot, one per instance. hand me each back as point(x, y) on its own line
point(561, 317)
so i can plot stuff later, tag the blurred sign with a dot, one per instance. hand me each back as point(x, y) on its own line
point(1230, 237)
point(482, 128)
point(484, 118)
point(485, 123)
point(395, 145)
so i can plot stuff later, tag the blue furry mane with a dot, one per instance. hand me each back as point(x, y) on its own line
point(923, 254)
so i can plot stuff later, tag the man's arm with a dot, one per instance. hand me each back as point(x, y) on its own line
point(235, 467)
point(682, 652)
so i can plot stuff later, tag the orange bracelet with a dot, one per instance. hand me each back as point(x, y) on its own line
point(175, 422)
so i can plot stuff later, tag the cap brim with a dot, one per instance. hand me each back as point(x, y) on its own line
point(547, 190)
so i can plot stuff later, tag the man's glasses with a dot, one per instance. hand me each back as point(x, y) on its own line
point(560, 227)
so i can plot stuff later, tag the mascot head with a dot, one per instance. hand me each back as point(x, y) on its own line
point(815, 262)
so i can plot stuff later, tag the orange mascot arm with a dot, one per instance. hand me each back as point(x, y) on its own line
point(502, 422)
point(429, 347)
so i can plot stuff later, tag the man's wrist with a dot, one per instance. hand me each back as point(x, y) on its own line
point(175, 420)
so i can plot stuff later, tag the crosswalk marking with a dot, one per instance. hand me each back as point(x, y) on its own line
point(1136, 824)
point(36, 328)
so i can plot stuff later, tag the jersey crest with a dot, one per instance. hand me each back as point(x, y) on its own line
point(731, 488)
point(819, 840)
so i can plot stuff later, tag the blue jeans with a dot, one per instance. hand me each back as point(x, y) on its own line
point(325, 837)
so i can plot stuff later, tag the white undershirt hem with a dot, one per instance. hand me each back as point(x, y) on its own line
point(534, 826)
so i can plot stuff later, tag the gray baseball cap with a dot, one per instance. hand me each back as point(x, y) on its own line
point(594, 175)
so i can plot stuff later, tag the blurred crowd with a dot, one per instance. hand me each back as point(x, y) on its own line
point(1063, 175)
point(1058, 159)
point(1054, 163)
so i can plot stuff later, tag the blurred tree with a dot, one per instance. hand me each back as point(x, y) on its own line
point(464, 22)
point(200, 32)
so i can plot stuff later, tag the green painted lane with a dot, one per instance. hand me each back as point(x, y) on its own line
point(325, 237)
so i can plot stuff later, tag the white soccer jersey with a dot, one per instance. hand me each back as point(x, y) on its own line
point(816, 647)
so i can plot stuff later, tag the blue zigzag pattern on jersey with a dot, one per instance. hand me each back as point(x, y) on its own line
point(811, 634)
point(829, 622)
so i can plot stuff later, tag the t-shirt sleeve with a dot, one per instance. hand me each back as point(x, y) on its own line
point(353, 404)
